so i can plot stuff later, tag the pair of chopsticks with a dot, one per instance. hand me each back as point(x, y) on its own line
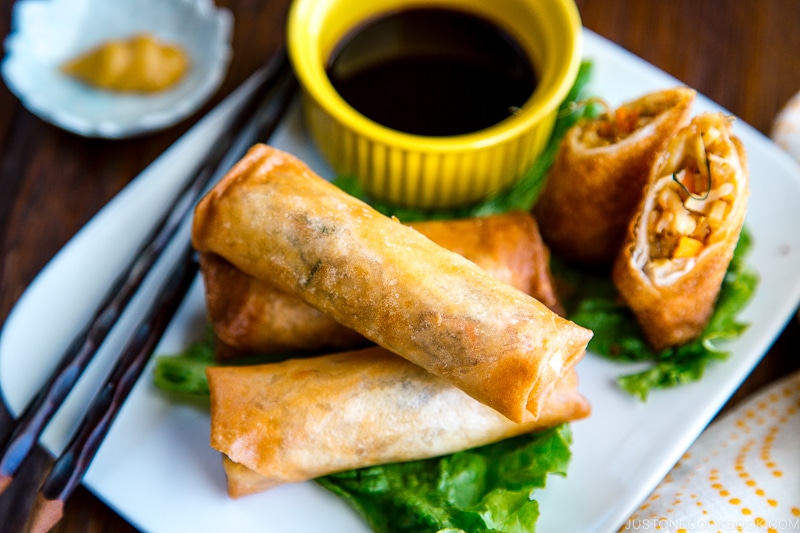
point(255, 120)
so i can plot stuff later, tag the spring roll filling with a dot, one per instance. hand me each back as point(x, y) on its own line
point(691, 199)
point(617, 125)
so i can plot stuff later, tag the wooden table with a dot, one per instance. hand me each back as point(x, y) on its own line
point(743, 55)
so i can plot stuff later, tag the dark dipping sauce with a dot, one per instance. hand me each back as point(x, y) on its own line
point(432, 71)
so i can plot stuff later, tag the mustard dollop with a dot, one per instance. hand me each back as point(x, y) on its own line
point(138, 64)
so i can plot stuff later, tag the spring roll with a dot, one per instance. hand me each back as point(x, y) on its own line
point(600, 171)
point(507, 246)
point(299, 419)
point(276, 220)
point(253, 316)
point(679, 245)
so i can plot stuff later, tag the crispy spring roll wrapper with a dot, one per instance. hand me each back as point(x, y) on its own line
point(304, 418)
point(679, 245)
point(250, 316)
point(508, 246)
point(276, 220)
point(253, 316)
point(601, 168)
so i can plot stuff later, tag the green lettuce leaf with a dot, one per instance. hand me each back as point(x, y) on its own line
point(618, 337)
point(185, 373)
point(486, 489)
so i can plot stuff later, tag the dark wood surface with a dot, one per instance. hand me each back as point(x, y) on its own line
point(743, 55)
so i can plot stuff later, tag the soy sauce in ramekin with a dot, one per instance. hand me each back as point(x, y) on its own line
point(432, 71)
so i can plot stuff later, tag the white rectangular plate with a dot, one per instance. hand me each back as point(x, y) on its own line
point(156, 468)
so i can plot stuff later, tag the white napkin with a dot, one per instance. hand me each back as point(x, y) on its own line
point(741, 474)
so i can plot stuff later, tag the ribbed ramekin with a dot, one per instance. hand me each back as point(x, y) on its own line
point(431, 172)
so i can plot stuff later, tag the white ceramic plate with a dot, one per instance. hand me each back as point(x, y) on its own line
point(157, 469)
point(46, 34)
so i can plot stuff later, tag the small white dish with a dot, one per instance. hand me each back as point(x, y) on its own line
point(46, 33)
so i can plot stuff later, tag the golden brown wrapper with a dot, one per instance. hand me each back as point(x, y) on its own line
point(250, 316)
point(276, 220)
point(508, 246)
point(253, 316)
point(596, 182)
point(304, 418)
point(673, 298)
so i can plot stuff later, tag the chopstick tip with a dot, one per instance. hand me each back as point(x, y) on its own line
point(5, 481)
point(44, 515)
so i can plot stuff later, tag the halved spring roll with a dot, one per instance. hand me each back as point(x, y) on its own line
point(679, 245)
point(253, 316)
point(276, 220)
point(300, 419)
point(600, 171)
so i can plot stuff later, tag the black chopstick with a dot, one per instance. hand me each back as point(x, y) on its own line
point(28, 427)
point(70, 467)
point(68, 470)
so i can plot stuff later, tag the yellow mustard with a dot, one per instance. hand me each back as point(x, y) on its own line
point(139, 64)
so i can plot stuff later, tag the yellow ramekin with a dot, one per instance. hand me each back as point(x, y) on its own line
point(433, 172)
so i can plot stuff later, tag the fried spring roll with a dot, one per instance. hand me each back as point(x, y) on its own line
point(250, 316)
point(304, 418)
point(679, 245)
point(600, 171)
point(253, 316)
point(276, 220)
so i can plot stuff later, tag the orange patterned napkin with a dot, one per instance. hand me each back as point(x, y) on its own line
point(742, 473)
